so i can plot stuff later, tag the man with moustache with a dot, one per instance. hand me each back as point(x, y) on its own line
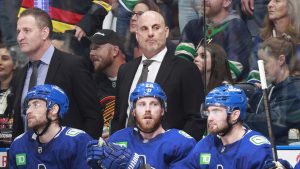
point(224, 27)
point(107, 56)
point(48, 144)
point(229, 144)
point(147, 142)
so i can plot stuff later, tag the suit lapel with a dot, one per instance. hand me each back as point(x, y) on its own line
point(53, 66)
point(129, 75)
point(19, 84)
point(165, 68)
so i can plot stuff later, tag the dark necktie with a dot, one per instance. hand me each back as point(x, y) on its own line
point(143, 78)
point(34, 74)
point(145, 70)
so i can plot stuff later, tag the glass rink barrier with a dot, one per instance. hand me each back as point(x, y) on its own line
point(3, 157)
point(290, 153)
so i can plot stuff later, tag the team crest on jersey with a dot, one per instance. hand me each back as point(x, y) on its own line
point(73, 132)
point(21, 159)
point(204, 158)
point(122, 144)
point(259, 140)
point(184, 134)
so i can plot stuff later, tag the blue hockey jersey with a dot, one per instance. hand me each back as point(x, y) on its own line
point(163, 151)
point(66, 151)
point(250, 152)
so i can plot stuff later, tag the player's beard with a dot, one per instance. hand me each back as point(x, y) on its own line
point(103, 64)
point(36, 123)
point(148, 126)
point(219, 128)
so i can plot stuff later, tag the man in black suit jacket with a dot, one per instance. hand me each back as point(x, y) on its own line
point(181, 80)
point(67, 71)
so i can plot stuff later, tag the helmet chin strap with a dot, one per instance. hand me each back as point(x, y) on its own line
point(49, 121)
point(227, 129)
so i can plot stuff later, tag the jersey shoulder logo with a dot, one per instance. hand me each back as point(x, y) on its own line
point(122, 143)
point(73, 132)
point(204, 158)
point(21, 159)
point(259, 140)
point(184, 134)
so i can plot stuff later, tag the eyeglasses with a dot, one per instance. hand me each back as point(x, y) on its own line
point(139, 13)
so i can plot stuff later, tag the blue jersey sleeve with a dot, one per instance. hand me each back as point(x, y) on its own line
point(192, 160)
point(79, 153)
point(183, 145)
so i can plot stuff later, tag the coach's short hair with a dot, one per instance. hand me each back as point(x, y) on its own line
point(41, 17)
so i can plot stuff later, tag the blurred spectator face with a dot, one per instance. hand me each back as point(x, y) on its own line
point(199, 60)
point(148, 113)
point(30, 35)
point(277, 9)
point(102, 56)
point(6, 64)
point(137, 11)
point(213, 7)
point(151, 33)
point(271, 64)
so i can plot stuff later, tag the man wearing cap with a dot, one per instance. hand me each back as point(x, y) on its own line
point(107, 56)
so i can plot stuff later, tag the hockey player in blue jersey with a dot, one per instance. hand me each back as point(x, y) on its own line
point(147, 142)
point(229, 145)
point(47, 144)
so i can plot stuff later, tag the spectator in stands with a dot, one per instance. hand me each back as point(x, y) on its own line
point(253, 13)
point(7, 68)
point(282, 17)
point(181, 80)
point(224, 27)
point(8, 23)
point(188, 10)
point(50, 65)
point(107, 57)
point(124, 13)
point(283, 91)
point(217, 66)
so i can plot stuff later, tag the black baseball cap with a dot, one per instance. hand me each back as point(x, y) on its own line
point(105, 36)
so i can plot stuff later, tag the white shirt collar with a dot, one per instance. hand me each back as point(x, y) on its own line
point(158, 57)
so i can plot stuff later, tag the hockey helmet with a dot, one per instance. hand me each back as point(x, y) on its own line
point(52, 95)
point(148, 89)
point(231, 97)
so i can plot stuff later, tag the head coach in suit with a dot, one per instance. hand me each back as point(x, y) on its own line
point(181, 80)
